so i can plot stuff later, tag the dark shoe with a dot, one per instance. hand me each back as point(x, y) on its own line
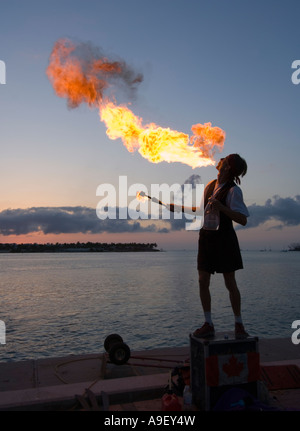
point(240, 332)
point(205, 331)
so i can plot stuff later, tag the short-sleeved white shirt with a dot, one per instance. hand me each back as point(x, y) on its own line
point(234, 199)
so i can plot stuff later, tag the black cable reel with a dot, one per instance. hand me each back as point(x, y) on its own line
point(118, 351)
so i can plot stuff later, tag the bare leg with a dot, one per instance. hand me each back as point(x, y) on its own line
point(234, 293)
point(207, 330)
point(235, 299)
point(204, 281)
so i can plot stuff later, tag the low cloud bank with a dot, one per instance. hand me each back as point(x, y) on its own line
point(58, 220)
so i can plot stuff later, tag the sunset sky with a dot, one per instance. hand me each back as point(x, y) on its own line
point(224, 62)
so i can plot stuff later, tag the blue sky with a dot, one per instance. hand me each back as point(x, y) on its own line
point(227, 62)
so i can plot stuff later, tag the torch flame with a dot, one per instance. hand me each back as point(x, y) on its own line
point(84, 79)
point(141, 196)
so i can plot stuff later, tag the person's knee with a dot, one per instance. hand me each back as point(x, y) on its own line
point(230, 281)
point(204, 279)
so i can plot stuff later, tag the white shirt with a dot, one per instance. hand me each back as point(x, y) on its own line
point(234, 199)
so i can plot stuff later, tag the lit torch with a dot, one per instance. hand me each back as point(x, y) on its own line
point(141, 196)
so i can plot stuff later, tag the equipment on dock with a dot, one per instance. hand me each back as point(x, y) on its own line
point(117, 350)
point(118, 353)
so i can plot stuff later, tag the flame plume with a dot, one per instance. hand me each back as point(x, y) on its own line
point(82, 74)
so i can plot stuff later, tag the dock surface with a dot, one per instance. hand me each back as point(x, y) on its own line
point(53, 383)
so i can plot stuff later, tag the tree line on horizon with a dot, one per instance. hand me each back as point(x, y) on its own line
point(78, 246)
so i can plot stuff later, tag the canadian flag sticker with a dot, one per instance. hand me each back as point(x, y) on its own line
point(232, 369)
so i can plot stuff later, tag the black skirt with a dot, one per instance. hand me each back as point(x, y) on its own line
point(219, 251)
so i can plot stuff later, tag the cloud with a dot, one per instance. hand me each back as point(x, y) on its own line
point(284, 210)
point(57, 220)
point(65, 220)
point(79, 219)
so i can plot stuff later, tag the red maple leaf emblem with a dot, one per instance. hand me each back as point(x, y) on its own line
point(233, 368)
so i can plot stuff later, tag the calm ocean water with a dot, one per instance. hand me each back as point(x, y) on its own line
point(61, 304)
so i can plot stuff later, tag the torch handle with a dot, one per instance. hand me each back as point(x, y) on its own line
point(157, 201)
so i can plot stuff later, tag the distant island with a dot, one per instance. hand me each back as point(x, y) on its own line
point(295, 246)
point(91, 247)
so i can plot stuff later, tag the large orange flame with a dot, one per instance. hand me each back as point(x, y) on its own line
point(159, 144)
point(84, 77)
